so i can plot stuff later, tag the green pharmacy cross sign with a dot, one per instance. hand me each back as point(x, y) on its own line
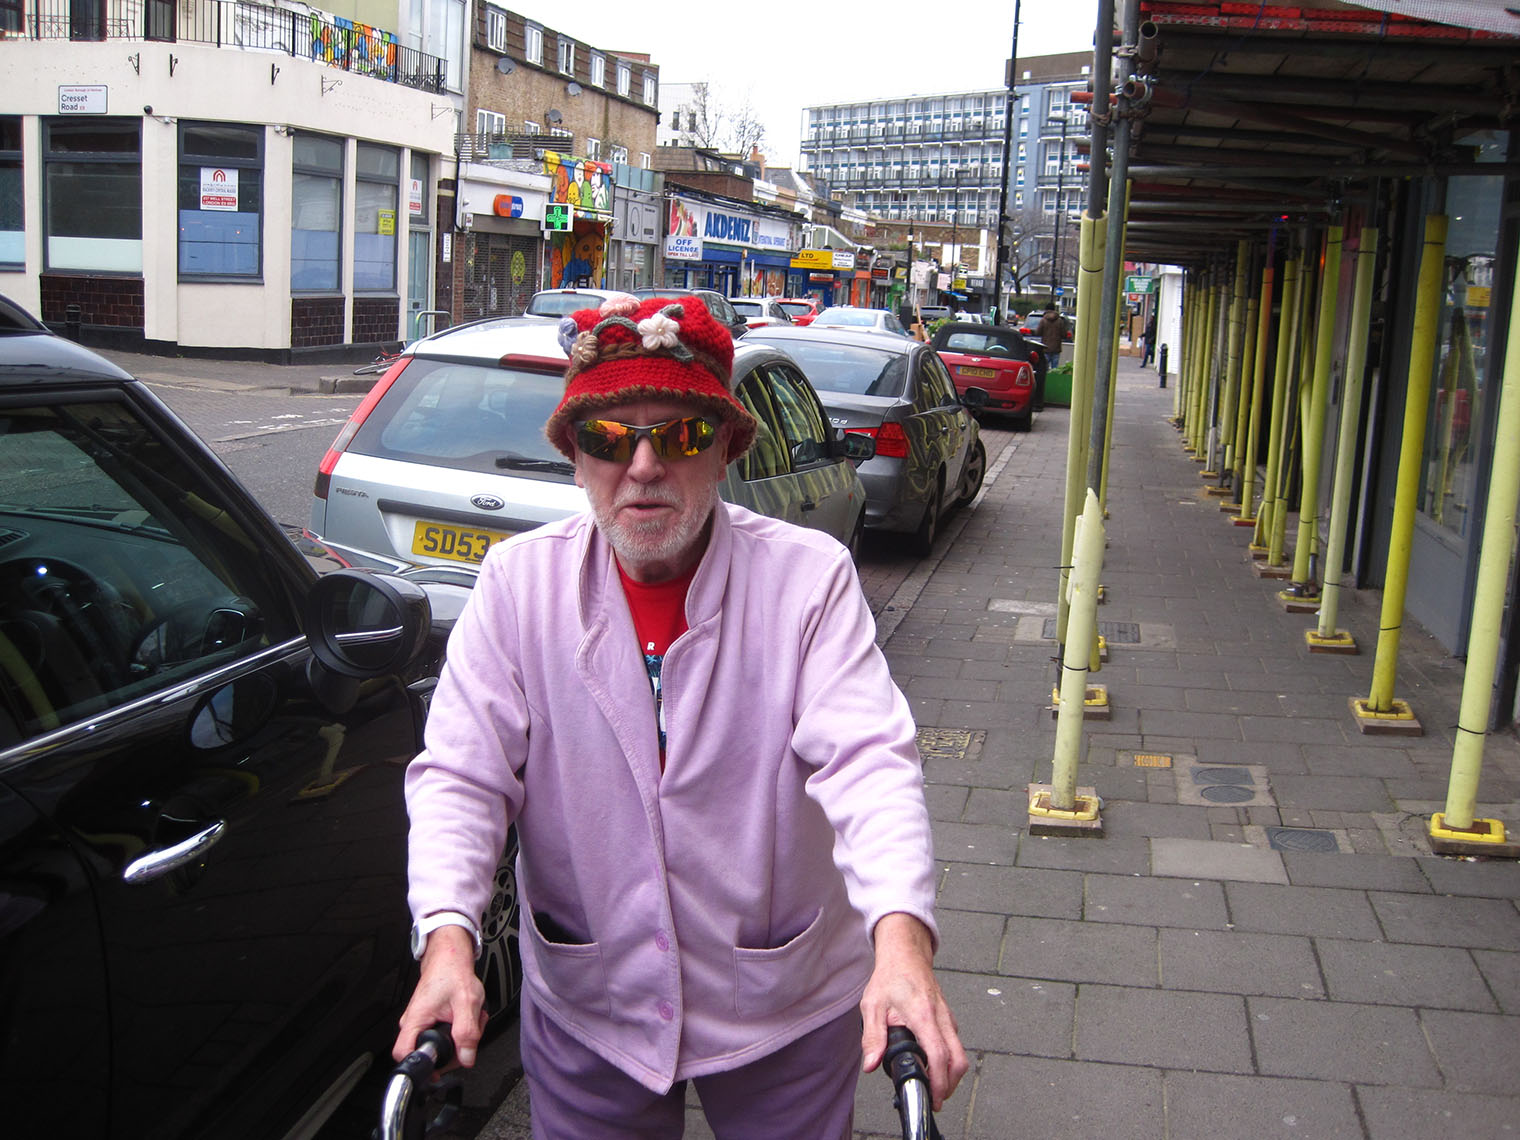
point(558, 216)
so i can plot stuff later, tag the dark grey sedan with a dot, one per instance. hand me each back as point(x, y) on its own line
point(929, 454)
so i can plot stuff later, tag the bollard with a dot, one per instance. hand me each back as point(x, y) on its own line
point(1161, 363)
point(71, 322)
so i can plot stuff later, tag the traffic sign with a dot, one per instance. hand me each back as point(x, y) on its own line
point(558, 216)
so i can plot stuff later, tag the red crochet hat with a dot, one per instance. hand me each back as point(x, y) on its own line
point(654, 349)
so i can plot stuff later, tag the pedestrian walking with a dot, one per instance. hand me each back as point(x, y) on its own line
point(1150, 341)
point(1052, 331)
point(725, 868)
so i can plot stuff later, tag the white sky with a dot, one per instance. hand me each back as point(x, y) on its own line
point(783, 58)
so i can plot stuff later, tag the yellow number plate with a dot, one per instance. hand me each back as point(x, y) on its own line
point(979, 373)
point(456, 543)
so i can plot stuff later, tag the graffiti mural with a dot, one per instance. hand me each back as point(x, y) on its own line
point(578, 257)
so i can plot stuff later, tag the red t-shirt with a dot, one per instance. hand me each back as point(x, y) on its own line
point(659, 617)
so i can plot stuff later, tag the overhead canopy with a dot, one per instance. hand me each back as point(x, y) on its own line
point(1264, 113)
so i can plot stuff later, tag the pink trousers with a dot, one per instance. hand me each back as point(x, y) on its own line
point(806, 1088)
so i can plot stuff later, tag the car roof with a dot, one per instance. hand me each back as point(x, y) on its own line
point(975, 327)
point(864, 338)
point(31, 357)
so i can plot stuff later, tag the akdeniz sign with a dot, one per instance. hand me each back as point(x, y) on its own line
point(690, 224)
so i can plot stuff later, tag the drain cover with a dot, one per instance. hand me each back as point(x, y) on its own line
point(1300, 839)
point(1222, 776)
point(1114, 632)
point(944, 743)
point(1227, 794)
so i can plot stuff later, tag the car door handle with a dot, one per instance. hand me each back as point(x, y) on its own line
point(162, 860)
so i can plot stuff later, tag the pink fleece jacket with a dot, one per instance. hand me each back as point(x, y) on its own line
point(725, 906)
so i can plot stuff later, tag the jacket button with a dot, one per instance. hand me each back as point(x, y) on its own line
point(661, 941)
point(667, 1011)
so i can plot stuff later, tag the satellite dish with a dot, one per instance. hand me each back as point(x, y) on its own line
point(573, 87)
point(505, 65)
point(553, 116)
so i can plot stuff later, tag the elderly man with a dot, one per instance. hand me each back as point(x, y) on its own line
point(682, 707)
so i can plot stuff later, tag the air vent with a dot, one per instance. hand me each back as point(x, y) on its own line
point(8, 536)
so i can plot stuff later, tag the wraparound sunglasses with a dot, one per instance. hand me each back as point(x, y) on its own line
point(615, 442)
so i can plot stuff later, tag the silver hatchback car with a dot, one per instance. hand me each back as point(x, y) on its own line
point(447, 454)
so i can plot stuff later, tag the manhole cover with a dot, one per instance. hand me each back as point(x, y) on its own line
point(1300, 839)
point(1222, 776)
point(1227, 794)
point(1114, 632)
point(944, 743)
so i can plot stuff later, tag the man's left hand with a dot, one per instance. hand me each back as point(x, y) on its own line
point(902, 991)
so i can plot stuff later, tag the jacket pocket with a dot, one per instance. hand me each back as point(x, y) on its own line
point(772, 980)
point(572, 972)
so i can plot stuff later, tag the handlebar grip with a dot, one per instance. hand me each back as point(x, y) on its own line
point(904, 1063)
point(441, 1038)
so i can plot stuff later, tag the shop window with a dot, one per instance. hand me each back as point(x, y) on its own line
point(221, 175)
point(93, 194)
point(533, 43)
point(377, 173)
point(12, 205)
point(1449, 489)
point(316, 213)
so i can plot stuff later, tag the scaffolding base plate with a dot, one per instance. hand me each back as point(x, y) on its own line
point(1298, 603)
point(1244, 520)
point(1258, 553)
point(1086, 821)
point(1486, 837)
point(1265, 571)
point(1338, 642)
point(1229, 507)
point(1399, 721)
point(1219, 492)
point(1094, 703)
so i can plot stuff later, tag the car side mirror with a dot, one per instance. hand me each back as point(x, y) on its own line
point(366, 625)
point(855, 446)
point(974, 398)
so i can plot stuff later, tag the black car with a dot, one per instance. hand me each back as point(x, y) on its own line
point(717, 304)
point(203, 927)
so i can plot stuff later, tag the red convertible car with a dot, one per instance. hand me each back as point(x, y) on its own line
point(994, 358)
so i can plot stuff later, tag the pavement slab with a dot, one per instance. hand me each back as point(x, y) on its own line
point(1340, 1041)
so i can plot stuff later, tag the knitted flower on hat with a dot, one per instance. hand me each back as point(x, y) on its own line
point(662, 348)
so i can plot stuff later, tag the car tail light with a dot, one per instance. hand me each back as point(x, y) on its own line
point(891, 440)
point(1024, 378)
point(349, 430)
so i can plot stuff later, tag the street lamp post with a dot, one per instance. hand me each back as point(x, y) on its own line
point(1055, 251)
point(955, 227)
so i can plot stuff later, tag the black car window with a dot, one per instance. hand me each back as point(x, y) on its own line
point(767, 458)
point(465, 416)
point(801, 416)
point(122, 571)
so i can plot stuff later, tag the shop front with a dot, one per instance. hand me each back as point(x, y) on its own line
point(826, 274)
point(577, 257)
point(718, 244)
point(634, 259)
point(495, 260)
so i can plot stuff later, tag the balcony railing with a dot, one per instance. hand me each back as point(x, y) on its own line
point(344, 44)
point(503, 147)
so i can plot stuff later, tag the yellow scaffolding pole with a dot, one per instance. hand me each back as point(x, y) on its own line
point(1078, 654)
point(1279, 403)
point(1318, 405)
point(1089, 279)
point(1327, 637)
point(1380, 701)
point(1291, 420)
point(1227, 413)
point(1258, 384)
point(1459, 818)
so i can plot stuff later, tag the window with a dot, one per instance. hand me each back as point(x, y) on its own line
point(135, 609)
point(417, 193)
point(767, 457)
point(92, 195)
point(644, 159)
point(560, 133)
point(598, 69)
point(496, 29)
point(316, 212)
point(532, 128)
point(593, 148)
point(220, 199)
point(620, 155)
point(490, 123)
point(566, 56)
point(802, 419)
point(533, 43)
point(377, 170)
point(649, 92)
point(624, 79)
point(12, 207)
point(10, 16)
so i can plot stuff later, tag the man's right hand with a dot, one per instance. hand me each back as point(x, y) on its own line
point(448, 990)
